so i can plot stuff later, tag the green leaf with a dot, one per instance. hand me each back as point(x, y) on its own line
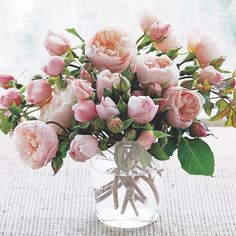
point(122, 107)
point(189, 70)
point(223, 110)
point(22, 89)
point(148, 127)
point(160, 134)
point(74, 32)
point(127, 123)
point(64, 147)
point(196, 157)
point(14, 109)
point(158, 152)
point(56, 164)
point(208, 106)
point(5, 124)
point(84, 125)
point(145, 42)
point(170, 147)
point(107, 93)
point(172, 54)
point(127, 73)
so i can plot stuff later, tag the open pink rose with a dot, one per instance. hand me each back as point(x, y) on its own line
point(36, 142)
point(184, 105)
point(210, 74)
point(82, 89)
point(141, 109)
point(84, 110)
point(56, 44)
point(146, 139)
point(8, 97)
point(83, 147)
point(110, 49)
point(152, 69)
point(55, 66)
point(204, 47)
point(107, 109)
point(106, 79)
point(39, 92)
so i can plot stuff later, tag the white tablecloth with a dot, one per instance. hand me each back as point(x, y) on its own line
point(36, 203)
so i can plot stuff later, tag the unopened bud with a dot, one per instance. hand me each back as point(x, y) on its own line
point(155, 90)
point(198, 129)
point(115, 125)
point(131, 135)
point(124, 85)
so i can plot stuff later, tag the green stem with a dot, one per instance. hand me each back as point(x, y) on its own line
point(55, 123)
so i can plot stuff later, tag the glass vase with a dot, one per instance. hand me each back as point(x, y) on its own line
point(127, 186)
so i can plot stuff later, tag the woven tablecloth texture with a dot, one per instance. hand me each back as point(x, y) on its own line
point(37, 203)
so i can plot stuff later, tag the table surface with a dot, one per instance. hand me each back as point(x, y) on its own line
point(37, 203)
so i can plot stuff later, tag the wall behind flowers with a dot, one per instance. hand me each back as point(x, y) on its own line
point(24, 24)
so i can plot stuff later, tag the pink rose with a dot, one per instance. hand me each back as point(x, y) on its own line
point(147, 19)
point(4, 81)
point(141, 109)
point(106, 79)
point(55, 66)
point(160, 70)
point(56, 44)
point(198, 129)
point(8, 97)
point(36, 142)
point(110, 49)
point(146, 139)
point(84, 110)
point(82, 89)
point(83, 147)
point(204, 47)
point(107, 109)
point(210, 74)
point(163, 37)
point(86, 76)
point(39, 92)
point(184, 105)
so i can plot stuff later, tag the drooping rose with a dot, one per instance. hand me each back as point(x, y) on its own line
point(107, 109)
point(110, 49)
point(83, 147)
point(141, 109)
point(56, 44)
point(39, 92)
point(84, 110)
point(146, 139)
point(8, 97)
point(204, 46)
point(160, 70)
point(211, 75)
point(55, 66)
point(4, 81)
point(82, 89)
point(184, 106)
point(36, 142)
point(106, 79)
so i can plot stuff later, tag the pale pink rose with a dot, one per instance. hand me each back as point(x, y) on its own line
point(4, 80)
point(107, 109)
point(8, 97)
point(147, 19)
point(153, 69)
point(56, 44)
point(82, 89)
point(55, 66)
point(106, 79)
point(110, 49)
point(184, 106)
point(86, 76)
point(39, 92)
point(59, 109)
point(84, 110)
point(210, 74)
point(146, 139)
point(141, 109)
point(163, 37)
point(198, 129)
point(83, 147)
point(36, 142)
point(204, 46)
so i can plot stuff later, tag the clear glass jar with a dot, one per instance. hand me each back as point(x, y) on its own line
point(127, 186)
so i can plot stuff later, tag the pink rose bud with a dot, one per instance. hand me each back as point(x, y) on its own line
point(56, 44)
point(55, 66)
point(82, 89)
point(36, 142)
point(137, 93)
point(8, 97)
point(4, 81)
point(183, 106)
point(210, 74)
point(146, 139)
point(84, 110)
point(107, 109)
point(198, 129)
point(155, 90)
point(83, 147)
point(86, 76)
point(39, 92)
point(141, 109)
point(115, 125)
point(147, 19)
point(204, 47)
point(106, 79)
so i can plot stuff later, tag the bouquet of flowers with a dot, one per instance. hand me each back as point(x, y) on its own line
point(108, 89)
